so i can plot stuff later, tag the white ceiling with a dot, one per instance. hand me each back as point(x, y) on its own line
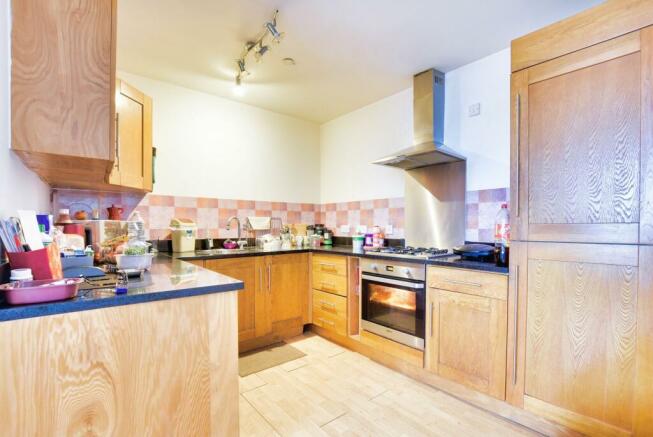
point(348, 53)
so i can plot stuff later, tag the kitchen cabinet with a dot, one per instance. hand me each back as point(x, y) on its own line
point(133, 145)
point(582, 142)
point(330, 281)
point(274, 302)
point(583, 335)
point(466, 328)
point(63, 57)
point(288, 287)
point(252, 299)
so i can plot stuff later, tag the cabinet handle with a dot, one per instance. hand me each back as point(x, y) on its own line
point(328, 267)
point(457, 282)
point(514, 327)
point(328, 322)
point(328, 285)
point(328, 304)
point(432, 312)
point(260, 275)
point(518, 142)
point(269, 278)
point(118, 140)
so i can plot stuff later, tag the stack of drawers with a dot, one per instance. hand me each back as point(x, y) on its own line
point(330, 292)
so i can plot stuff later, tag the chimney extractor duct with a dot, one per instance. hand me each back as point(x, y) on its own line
point(428, 126)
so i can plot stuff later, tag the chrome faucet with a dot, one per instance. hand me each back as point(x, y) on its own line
point(241, 243)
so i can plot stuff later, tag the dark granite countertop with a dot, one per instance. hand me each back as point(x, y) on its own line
point(168, 278)
point(456, 262)
point(450, 261)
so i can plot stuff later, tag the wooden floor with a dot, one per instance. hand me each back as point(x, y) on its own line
point(334, 391)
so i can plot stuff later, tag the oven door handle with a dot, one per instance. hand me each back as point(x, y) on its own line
point(388, 281)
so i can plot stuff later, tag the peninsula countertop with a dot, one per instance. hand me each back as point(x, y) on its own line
point(169, 278)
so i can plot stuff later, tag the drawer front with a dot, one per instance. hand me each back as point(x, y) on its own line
point(334, 265)
point(483, 284)
point(330, 312)
point(330, 283)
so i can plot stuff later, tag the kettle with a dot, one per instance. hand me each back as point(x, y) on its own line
point(115, 212)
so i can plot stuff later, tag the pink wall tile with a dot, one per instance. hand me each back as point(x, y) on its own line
point(367, 204)
point(160, 216)
point(207, 202)
point(279, 206)
point(381, 203)
point(246, 204)
point(331, 206)
point(259, 205)
point(158, 200)
point(294, 206)
point(228, 203)
point(188, 213)
point(294, 217)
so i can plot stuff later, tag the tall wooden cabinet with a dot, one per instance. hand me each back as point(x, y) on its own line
point(580, 331)
point(583, 145)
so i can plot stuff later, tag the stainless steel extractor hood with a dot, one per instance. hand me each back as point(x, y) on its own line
point(428, 126)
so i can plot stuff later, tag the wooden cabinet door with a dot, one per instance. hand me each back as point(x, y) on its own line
point(582, 145)
point(584, 358)
point(133, 164)
point(466, 340)
point(252, 299)
point(288, 283)
point(62, 87)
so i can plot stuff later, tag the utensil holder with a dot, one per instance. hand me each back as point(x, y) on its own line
point(45, 263)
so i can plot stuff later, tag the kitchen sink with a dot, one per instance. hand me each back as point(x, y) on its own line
point(223, 251)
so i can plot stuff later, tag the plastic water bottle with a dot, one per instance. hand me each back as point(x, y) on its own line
point(502, 237)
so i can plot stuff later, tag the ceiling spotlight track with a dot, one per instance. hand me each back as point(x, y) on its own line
point(258, 47)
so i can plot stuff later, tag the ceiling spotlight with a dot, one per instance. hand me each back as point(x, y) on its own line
point(271, 26)
point(259, 51)
point(239, 89)
point(242, 68)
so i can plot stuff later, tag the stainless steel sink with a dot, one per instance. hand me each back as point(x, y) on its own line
point(223, 251)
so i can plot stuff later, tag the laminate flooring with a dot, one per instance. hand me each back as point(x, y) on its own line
point(333, 391)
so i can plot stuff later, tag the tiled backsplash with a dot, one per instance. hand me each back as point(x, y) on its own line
point(482, 207)
point(381, 212)
point(211, 214)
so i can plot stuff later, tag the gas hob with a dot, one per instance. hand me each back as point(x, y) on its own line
point(410, 252)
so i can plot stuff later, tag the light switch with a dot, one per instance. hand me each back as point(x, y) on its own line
point(474, 109)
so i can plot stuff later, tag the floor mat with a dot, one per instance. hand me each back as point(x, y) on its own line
point(261, 359)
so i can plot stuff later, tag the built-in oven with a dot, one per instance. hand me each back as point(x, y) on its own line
point(393, 297)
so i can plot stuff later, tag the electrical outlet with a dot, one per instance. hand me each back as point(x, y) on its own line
point(475, 110)
point(388, 229)
point(344, 229)
point(361, 229)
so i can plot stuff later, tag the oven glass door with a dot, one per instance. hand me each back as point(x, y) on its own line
point(394, 303)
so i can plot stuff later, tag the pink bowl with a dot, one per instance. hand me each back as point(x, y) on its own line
point(230, 244)
point(45, 290)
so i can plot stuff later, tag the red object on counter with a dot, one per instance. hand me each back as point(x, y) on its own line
point(45, 263)
point(75, 229)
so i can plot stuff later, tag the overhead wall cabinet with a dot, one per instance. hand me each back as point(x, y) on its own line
point(63, 97)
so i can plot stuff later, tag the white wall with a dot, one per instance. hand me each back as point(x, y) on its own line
point(19, 187)
point(208, 146)
point(484, 139)
point(350, 142)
